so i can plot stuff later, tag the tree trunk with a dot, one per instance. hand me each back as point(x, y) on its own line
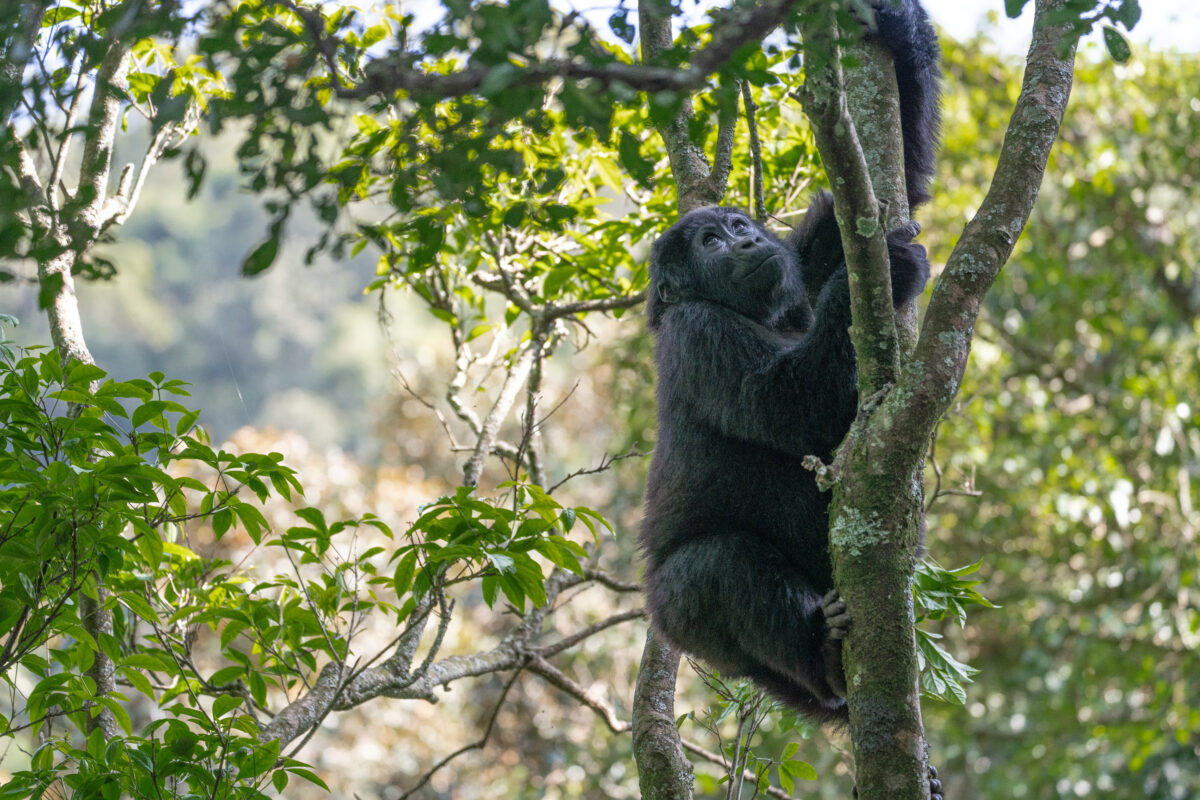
point(875, 578)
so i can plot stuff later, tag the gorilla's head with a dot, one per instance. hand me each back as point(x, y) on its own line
point(722, 256)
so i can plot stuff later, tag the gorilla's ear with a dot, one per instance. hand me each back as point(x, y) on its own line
point(663, 294)
point(666, 293)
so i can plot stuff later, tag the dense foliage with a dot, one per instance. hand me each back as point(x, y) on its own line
point(1076, 429)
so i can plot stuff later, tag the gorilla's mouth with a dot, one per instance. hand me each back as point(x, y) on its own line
point(746, 270)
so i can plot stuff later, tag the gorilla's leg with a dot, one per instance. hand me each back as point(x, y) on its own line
point(733, 600)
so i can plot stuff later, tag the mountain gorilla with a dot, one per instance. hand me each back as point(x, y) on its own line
point(756, 371)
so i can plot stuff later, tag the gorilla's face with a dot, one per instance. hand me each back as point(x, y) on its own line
point(722, 256)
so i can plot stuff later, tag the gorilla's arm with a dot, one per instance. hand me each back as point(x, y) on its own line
point(817, 243)
point(905, 30)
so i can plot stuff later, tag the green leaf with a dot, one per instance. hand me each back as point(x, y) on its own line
point(641, 168)
point(403, 577)
point(261, 759)
point(1013, 7)
point(502, 562)
point(118, 711)
point(147, 411)
point(180, 740)
point(529, 576)
point(490, 586)
point(153, 661)
point(83, 374)
point(95, 739)
point(557, 277)
point(799, 770)
point(57, 15)
point(139, 682)
point(224, 704)
point(138, 605)
point(515, 215)
point(309, 776)
point(513, 592)
point(1117, 45)
point(1128, 13)
point(478, 330)
point(314, 517)
point(262, 257)
point(226, 675)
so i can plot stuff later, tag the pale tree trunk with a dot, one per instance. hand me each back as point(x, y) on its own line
point(68, 230)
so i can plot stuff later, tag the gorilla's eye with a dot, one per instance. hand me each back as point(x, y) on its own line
point(709, 239)
point(739, 225)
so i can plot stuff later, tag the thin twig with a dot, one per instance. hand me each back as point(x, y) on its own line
point(591, 630)
point(608, 581)
point(756, 165)
point(716, 758)
point(558, 678)
point(606, 462)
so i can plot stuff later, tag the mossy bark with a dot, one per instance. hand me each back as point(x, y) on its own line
point(876, 511)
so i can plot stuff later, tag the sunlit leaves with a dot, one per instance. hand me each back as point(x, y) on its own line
point(92, 499)
point(1083, 15)
point(496, 540)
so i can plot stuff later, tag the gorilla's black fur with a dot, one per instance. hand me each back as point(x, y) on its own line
point(756, 371)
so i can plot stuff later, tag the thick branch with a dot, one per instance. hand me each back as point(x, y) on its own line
point(36, 196)
point(694, 178)
point(66, 326)
point(664, 773)
point(756, 167)
point(103, 118)
point(855, 204)
point(872, 536)
point(531, 440)
point(59, 159)
point(555, 311)
point(121, 205)
point(737, 28)
point(337, 688)
point(16, 55)
point(871, 95)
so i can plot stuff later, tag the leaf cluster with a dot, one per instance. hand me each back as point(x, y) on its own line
point(494, 543)
point(107, 489)
point(1083, 15)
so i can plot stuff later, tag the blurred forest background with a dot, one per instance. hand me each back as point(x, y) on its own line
point(1068, 468)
